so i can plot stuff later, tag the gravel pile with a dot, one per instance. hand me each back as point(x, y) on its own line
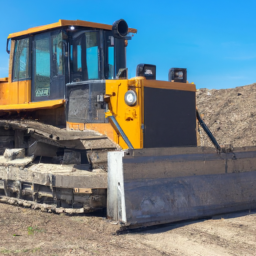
point(230, 114)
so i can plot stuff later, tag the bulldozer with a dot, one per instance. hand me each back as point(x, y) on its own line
point(77, 135)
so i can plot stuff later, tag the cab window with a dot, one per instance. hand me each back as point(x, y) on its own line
point(58, 54)
point(42, 65)
point(48, 72)
point(84, 56)
point(92, 55)
point(21, 60)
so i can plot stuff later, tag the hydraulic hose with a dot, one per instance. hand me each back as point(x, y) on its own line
point(207, 131)
point(120, 130)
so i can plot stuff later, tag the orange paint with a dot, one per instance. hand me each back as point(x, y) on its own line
point(4, 93)
point(75, 126)
point(170, 85)
point(62, 23)
point(15, 93)
point(20, 92)
point(103, 128)
point(33, 105)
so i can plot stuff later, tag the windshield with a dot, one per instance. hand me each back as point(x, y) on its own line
point(95, 55)
point(84, 56)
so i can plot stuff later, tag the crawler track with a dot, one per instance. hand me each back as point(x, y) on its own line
point(62, 171)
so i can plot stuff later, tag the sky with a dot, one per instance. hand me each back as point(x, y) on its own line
point(214, 40)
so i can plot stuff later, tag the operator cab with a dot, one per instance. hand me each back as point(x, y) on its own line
point(69, 54)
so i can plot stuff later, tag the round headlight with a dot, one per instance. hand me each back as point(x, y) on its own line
point(130, 98)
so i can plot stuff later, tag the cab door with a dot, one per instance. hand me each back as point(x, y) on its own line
point(48, 66)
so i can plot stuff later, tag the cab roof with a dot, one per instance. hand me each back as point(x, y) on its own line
point(64, 23)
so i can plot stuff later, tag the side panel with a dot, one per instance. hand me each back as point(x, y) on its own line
point(170, 118)
point(163, 116)
point(20, 92)
point(130, 118)
point(179, 184)
point(4, 93)
point(85, 102)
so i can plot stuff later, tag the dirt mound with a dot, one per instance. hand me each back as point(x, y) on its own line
point(230, 114)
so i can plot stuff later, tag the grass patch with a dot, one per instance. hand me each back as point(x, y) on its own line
point(5, 251)
point(12, 252)
point(33, 230)
point(35, 250)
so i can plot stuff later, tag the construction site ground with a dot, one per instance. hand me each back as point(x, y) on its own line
point(29, 232)
point(231, 116)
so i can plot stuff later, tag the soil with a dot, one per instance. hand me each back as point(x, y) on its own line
point(230, 115)
point(29, 232)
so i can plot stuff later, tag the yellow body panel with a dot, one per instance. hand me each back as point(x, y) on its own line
point(131, 118)
point(32, 105)
point(63, 23)
point(4, 93)
point(15, 93)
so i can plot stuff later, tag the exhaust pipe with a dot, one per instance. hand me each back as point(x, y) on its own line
point(120, 28)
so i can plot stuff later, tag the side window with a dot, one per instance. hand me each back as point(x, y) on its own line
point(79, 58)
point(111, 71)
point(21, 60)
point(109, 60)
point(57, 55)
point(42, 66)
point(84, 56)
point(92, 55)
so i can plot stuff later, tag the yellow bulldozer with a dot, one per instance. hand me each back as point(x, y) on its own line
point(76, 135)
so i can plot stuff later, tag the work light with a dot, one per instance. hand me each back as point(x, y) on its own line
point(178, 75)
point(146, 70)
point(130, 98)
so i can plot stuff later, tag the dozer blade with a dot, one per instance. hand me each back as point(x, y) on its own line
point(154, 186)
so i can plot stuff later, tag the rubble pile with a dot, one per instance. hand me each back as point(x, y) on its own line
point(230, 114)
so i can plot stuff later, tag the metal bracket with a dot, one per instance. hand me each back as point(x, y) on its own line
point(82, 191)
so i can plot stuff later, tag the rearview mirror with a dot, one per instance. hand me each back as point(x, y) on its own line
point(7, 46)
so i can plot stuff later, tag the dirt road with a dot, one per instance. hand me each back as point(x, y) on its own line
point(29, 232)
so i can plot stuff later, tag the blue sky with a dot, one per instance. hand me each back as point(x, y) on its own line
point(214, 40)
